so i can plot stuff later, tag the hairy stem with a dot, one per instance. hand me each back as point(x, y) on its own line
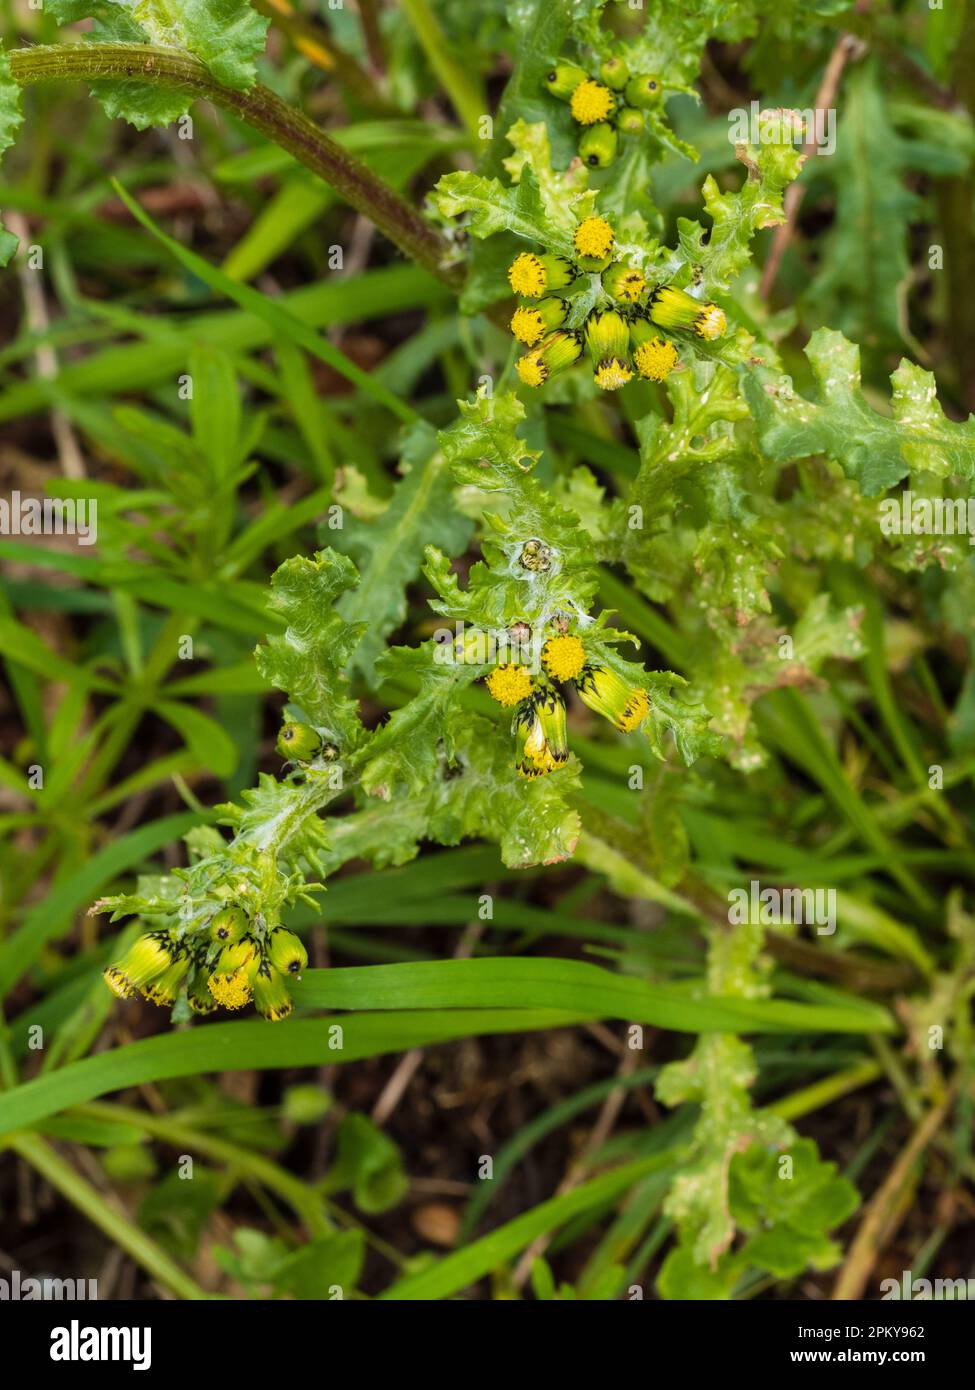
point(264, 111)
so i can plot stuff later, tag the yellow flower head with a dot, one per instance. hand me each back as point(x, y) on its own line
point(655, 359)
point(594, 237)
point(233, 991)
point(527, 326)
point(509, 685)
point(563, 657)
point(591, 102)
point(711, 322)
point(612, 374)
point(526, 276)
point(531, 369)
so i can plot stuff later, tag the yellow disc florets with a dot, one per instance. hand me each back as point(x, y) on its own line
point(509, 685)
point(656, 359)
point(594, 237)
point(526, 275)
point(563, 657)
point(611, 375)
point(711, 322)
point(591, 102)
point(532, 369)
point(233, 991)
point(527, 326)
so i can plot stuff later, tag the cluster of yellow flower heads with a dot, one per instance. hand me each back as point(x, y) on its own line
point(625, 337)
point(540, 720)
point(606, 107)
point(226, 963)
point(229, 960)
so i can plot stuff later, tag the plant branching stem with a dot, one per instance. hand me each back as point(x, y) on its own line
point(264, 111)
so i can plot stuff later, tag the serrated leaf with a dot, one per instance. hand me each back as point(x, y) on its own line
point(735, 217)
point(388, 550)
point(864, 263)
point(308, 659)
point(874, 449)
point(490, 208)
point(226, 35)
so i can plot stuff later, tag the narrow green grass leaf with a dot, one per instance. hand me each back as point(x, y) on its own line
point(466, 1266)
point(538, 982)
point(242, 1046)
point(273, 314)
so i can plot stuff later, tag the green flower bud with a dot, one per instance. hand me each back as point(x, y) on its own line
point(644, 92)
point(163, 989)
point(606, 335)
point(198, 995)
point(271, 993)
point(228, 926)
point(145, 959)
point(597, 146)
point(298, 742)
point(629, 121)
point(535, 556)
point(286, 952)
point(624, 283)
point(615, 73)
point(563, 79)
point(673, 308)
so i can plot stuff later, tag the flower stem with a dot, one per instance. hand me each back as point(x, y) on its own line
point(264, 111)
